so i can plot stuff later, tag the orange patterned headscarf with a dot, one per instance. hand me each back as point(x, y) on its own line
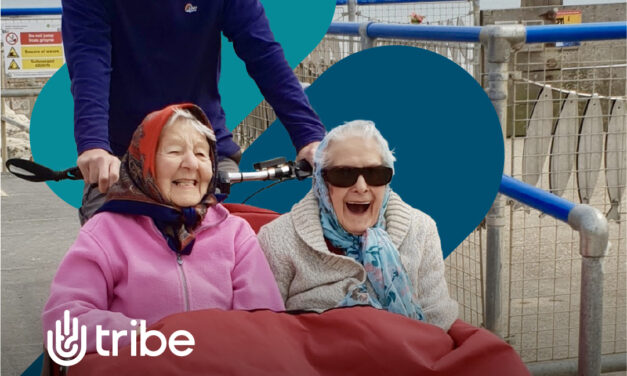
point(136, 191)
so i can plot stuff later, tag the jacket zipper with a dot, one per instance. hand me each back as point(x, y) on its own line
point(179, 260)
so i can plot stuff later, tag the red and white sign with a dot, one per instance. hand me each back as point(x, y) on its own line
point(40, 38)
point(11, 38)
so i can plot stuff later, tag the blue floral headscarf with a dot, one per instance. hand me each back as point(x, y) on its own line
point(374, 250)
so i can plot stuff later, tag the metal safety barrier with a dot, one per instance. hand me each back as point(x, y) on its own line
point(501, 43)
point(593, 230)
point(335, 47)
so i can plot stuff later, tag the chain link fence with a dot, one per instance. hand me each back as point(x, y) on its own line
point(567, 136)
point(334, 48)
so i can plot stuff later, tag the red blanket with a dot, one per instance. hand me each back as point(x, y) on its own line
point(344, 341)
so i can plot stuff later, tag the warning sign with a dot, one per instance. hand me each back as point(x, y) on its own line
point(11, 38)
point(40, 38)
point(566, 17)
point(36, 48)
point(42, 63)
point(13, 65)
point(12, 53)
point(42, 51)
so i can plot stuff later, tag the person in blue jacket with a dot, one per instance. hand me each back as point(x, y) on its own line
point(129, 58)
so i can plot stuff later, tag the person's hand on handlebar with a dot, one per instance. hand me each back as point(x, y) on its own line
point(98, 166)
point(307, 152)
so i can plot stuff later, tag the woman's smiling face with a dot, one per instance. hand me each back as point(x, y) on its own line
point(356, 207)
point(183, 164)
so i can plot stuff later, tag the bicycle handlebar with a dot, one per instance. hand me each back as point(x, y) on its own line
point(31, 171)
point(279, 170)
point(276, 169)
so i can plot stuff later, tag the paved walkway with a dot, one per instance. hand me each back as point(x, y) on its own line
point(37, 229)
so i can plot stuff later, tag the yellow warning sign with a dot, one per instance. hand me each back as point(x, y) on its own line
point(42, 51)
point(568, 17)
point(13, 65)
point(571, 16)
point(42, 63)
point(12, 53)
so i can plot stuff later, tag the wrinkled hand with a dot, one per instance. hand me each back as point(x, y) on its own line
point(98, 166)
point(307, 152)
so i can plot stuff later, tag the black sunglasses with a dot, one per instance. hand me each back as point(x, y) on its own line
point(347, 176)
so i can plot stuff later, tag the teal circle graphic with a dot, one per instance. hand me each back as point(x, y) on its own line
point(440, 123)
point(52, 134)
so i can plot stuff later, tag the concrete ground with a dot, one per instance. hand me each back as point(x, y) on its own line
point(37, 229)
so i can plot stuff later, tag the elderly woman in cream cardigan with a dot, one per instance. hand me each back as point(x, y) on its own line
point(352, 241)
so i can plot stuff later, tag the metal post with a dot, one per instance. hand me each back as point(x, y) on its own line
point(476, 58)
point(6, 93)
point(352, 9)
point(352, 12)
point(494, 223)
point(366, 41)
point(499, 41)
point(593, 239)
point(5, 153)
point(3, 138)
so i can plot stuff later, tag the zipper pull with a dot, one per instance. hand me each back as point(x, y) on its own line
point(179, 259)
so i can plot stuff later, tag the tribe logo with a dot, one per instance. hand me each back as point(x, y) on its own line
point(67, 344)
point(189, 8)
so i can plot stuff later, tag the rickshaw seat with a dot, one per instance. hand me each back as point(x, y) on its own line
point(255, 216)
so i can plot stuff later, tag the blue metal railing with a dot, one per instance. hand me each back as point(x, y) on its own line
point(537, 198)
point(534, 34)
point(29, 11)
point(574, 33)
point(422, 32)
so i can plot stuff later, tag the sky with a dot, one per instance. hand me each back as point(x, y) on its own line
point(484, 4)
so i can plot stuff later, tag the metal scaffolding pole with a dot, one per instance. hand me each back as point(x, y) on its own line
point(499, 42)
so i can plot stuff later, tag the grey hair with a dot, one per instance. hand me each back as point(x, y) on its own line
point(364, 129)
point(185, 115)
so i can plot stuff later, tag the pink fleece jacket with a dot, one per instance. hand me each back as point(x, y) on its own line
point(120, 268)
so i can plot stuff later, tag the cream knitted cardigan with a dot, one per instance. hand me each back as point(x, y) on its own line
point(310, 277)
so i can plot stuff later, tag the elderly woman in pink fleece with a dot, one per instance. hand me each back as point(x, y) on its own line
point(161, 244)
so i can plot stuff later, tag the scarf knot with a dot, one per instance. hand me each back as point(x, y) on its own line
point(190, 217)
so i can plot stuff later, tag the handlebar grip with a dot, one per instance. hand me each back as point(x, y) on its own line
point(73, 173)
point(303, 169)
